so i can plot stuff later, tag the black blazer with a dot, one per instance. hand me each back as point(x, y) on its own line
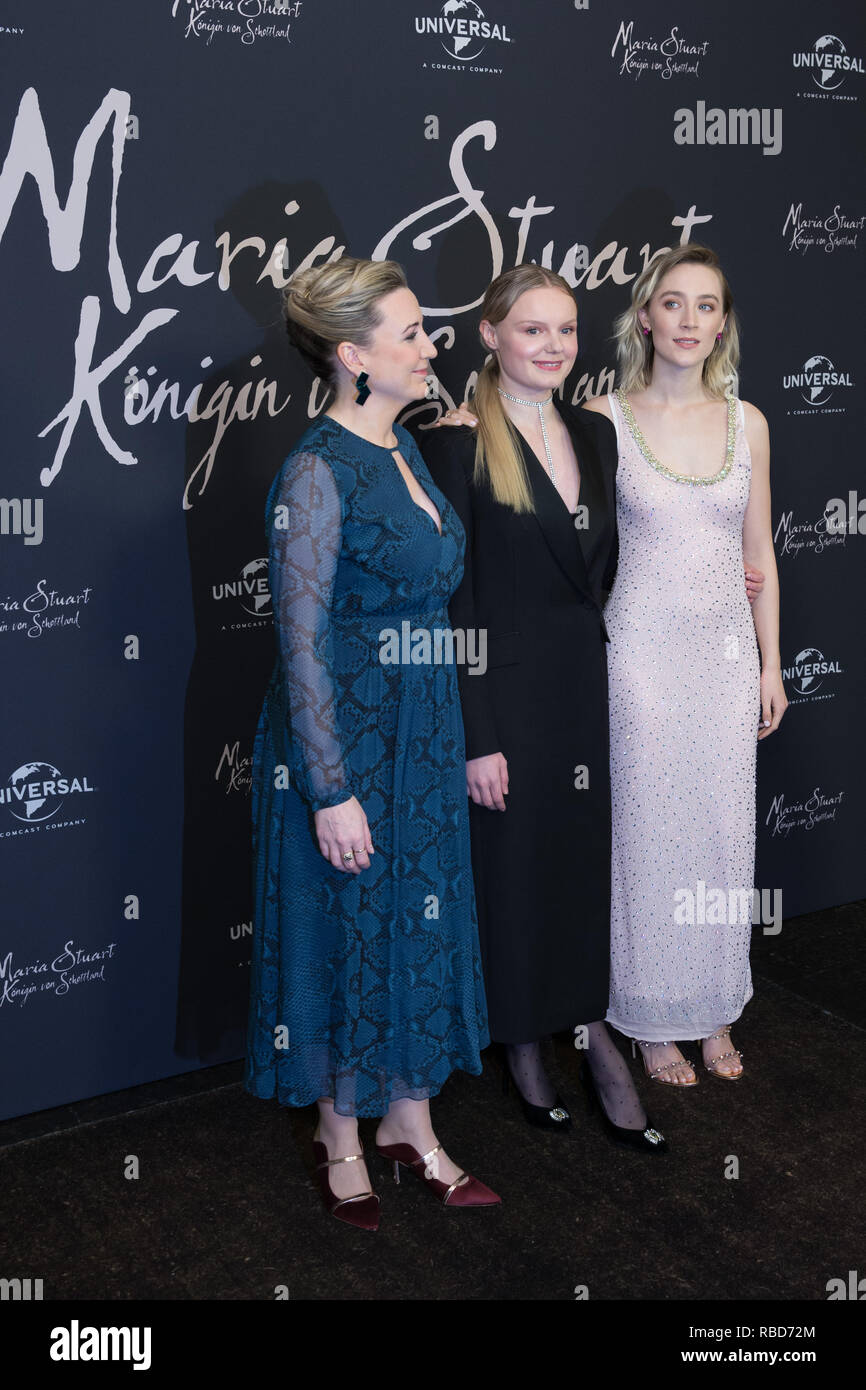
point(541, 868)
point(529, 568)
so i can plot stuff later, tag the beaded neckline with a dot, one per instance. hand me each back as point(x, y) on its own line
point(694, 479)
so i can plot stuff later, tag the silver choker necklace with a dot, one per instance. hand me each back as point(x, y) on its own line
point(539, 405)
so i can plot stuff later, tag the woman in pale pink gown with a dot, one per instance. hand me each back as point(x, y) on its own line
point(688, 699)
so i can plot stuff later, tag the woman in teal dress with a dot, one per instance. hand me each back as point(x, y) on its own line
point(366, 988)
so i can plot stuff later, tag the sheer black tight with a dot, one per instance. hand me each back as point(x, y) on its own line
point(610, 1072)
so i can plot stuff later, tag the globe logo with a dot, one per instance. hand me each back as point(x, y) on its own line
point(255, 594)
point(828, 77)
point(462, 46)
point(817, 394)
point(807, 683)
point(31, 789)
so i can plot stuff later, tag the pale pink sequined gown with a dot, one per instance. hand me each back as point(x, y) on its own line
point(684, 711)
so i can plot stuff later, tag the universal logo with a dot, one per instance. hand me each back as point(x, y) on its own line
point(817, 381)
point(737, 126)
point(824, 233)
point(808, 673)
point(829, 65)
point(667, 57)
point(35, 792)
point(463, 32)
point(251, 592)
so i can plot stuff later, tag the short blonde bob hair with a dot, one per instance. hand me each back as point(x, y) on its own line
point(635, 350)
point(337, 303)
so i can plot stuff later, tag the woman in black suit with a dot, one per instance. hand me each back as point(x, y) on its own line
point(534, 489)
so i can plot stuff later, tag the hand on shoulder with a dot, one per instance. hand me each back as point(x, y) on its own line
point(462, 415)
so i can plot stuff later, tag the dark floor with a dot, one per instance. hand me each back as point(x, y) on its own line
point(224, 1207)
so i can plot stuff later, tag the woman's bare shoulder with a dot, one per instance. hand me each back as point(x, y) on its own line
point(754, 417)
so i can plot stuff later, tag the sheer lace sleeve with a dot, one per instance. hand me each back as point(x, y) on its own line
point(305, 540)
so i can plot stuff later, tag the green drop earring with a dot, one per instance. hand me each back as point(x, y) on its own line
point(361, 387)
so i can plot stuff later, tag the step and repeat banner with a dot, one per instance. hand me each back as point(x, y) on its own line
point(166, 167)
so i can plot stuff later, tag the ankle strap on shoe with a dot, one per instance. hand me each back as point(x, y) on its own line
point(329, 1163)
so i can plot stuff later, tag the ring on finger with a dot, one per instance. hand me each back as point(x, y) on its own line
point(348, 856)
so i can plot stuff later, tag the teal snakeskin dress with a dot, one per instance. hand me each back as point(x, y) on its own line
point(364, 988)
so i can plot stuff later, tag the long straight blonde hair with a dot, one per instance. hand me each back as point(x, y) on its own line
point(498, 452)
point(635, 350)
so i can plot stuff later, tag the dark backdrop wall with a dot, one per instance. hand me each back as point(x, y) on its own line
point(166, 166)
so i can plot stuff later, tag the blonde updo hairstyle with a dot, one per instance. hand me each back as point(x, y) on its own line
point(498, 453)
point(635, 350)
point(337, 303)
